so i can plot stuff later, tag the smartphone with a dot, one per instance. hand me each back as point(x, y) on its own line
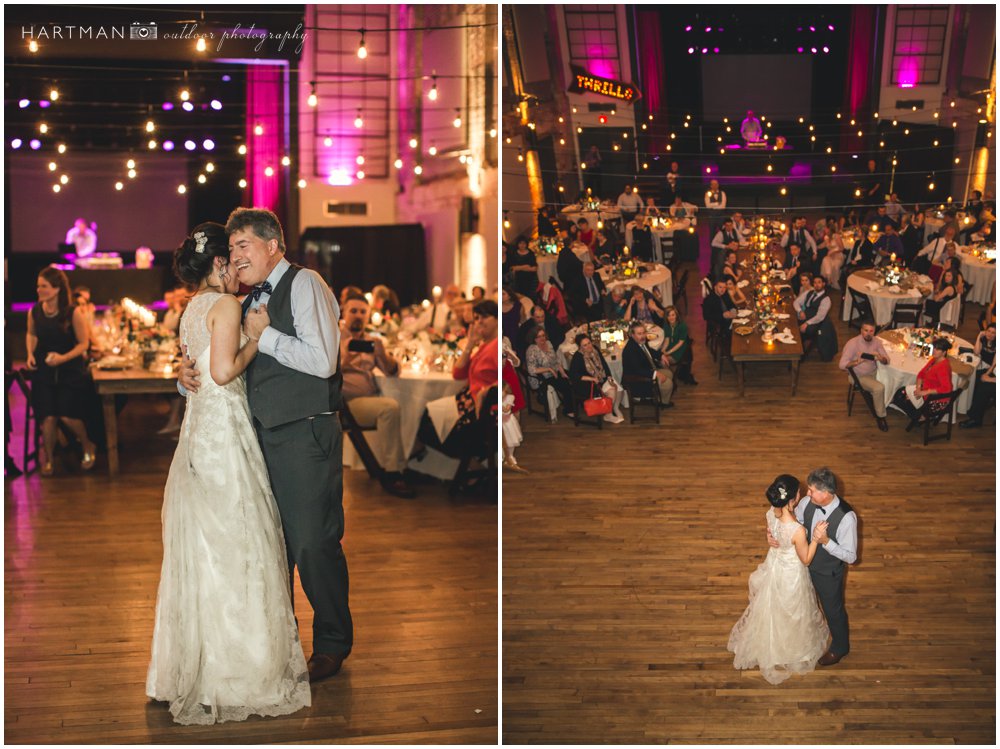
point(361, 347)
point(869, 357)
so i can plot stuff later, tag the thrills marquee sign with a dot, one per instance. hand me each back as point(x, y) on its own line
point(583, 83)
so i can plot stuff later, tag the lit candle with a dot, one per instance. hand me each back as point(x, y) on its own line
point(874, 227)
point(376, 318)
point(436, 293)
point(892, 257)
point(426, 303)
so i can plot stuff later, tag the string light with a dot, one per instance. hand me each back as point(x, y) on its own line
point(209, 167)
point(258, 129)
point(313, 100)
point(418, 170)
point(506, 220)
point(53, 166)
point(269, 171)
point(328, 141)
point(33, 47)
point(132, 173)
point(53, 94)
point(433, 93)
point(200, 45)
point(56, 188)
point(151, 145)
point(457, 122)
point(185, 94)
point(302, 183)
point(150, 126)
point(432, 150)
point(242, 150)
point(119, 186)
point(398, 163)
point(286, 161)
point(362, 49)
point(243, 184)
point(360, 160)
point(202, 179)
point(43, 128)
point(181, 189)
point(414, 142)
point(358, 121)
point(130, 164)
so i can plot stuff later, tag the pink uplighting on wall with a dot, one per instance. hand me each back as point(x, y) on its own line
point(265, 100)
point(909, 72)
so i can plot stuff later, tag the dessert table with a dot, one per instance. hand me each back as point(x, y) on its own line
point(883, 299)
point(657, 278)
point(904, 364)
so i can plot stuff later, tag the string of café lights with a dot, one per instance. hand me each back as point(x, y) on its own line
point(208, 144)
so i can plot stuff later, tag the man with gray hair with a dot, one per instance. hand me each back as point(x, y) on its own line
point(838, 548)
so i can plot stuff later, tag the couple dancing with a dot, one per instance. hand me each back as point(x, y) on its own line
point(813, 537)
point(255, 487)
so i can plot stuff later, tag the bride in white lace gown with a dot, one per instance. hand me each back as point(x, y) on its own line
point(225, 644)
point(783, 630)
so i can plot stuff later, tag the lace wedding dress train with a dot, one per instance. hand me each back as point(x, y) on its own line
point(782, 630)
point(225, 644)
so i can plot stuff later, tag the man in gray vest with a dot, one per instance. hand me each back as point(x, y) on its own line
point(838, 548)
point(293, 389)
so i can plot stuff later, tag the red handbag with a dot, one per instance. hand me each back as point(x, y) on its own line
point(596, 406)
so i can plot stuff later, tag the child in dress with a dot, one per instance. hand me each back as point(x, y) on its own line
point(511, 431)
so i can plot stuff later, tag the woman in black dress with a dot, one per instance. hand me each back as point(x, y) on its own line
point(524, 264)
point(57, 341)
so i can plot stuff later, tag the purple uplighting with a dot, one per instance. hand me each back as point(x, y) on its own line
point(812, 28)
point(800, 50)
point(24, 103)
point(716, 50)
point(265, 97)
point(690, 50)
point(208, 144)
point(189, 145)
point(167, 106)
point(909, 72)
point(45, 103)
point(35, 144)
point(227, 78)
point(708, 29)
point(814, 50)
point(16, 143)
point(704, 50)
point(168, 145)
point(687, 28)
point(830, 27)
point(602, 68)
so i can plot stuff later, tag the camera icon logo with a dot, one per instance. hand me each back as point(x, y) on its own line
point(142, 31)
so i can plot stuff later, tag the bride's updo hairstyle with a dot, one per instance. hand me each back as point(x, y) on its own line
point(782, 490)
point(193, 259)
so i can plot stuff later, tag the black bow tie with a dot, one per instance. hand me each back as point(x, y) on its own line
point(822, 509)
point(254, 295)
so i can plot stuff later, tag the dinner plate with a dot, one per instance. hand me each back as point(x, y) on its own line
point(744, 313)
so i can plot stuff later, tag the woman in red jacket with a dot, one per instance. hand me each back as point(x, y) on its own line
point(935, 377)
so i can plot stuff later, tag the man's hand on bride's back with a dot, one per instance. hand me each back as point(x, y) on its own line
point(189, 374)
point(771, 540)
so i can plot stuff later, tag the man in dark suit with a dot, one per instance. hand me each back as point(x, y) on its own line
point(539, 319)
point(568, 265)
point(719, 310)
point(813, 310)
point(643, 363)
point(587, 295)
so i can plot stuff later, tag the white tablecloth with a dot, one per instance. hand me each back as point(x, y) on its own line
point(658, 278)
point(982, 275)
point(662, 236)
point(613, 357)
point(882, 300)
point(413, 391)
point(547, 264)
point(903, 367)
point(606, 213)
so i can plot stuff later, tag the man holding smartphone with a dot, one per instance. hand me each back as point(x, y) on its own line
point(861, 353)
point(360, 353)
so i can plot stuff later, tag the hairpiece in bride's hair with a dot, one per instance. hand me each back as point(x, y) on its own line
point(782, 492)
point(200, 240)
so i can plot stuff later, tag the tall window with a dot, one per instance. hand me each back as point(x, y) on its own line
point(593, 39)
point(918, 45)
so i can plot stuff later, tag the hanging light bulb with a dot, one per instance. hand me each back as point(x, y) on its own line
point(328, 141)
point(360, 160)
point(286, 161)
point(53, 94)
point(784, 191)
point(202, 179)
point(520, 155)
point(398, 163)
point(181, 189)
point(119, 185)
point(61, 148)
point(302, 183)
point(185, 94)
point(432, 150)
point(269, 171)
point(200, 45)
point(418, 169)
point(360, 174)
point(258, 129)
point(131, 173)
point(43, 128)
point(56, 188)
point(433, 93)
point(493, 132)
point(33, 47)
point(243, 184)
point(930, 186)
point(358, 121)
point(150, 126)
point(362, 50)
point(313, 100)
point(414, 142)
point(242, 150)
point(457, 122)
point(151, 145)
point(209, 167)
point(506, 220)
point(130, 164)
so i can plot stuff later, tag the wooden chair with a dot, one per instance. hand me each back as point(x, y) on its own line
point(935, 408)
point(712, 338)
point(724, 348)
point(641, 391)
point(906, 314)
point(356, 434)
point(965, 297)
point(853, 389)
point(32, 434)
point(481, 445)
point(861, 308)
point(579, 415)
point(680, 291)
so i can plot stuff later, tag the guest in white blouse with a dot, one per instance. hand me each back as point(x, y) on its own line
point(833, 262)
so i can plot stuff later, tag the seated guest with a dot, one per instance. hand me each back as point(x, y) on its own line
point(57, 342)
point(985, 346)
point(81, 298)
point(524, 265)
point(954, 264)
point(989, 315)
point(360, 353)
point(888, 244)
point(833, 259)
point(736, 296)
point(934, 251)
point(615, 303)
point(879, 218)
point(983, 397)
point(549, 296)
point(606, 248)
point(792, 264)
point(545, 372)
point(385, 301)
point(539, 319)
point(861, 353)
point(725, 240)
point(718, 310)
point(643, 307)
point(944, 292)
point(715, 198)
point(741, 227)
point(912, 235)
point(731, 268)
point(629, 203)
point(813, 308)
point(862, 254)
point(798, 234)
point(591, 377)
point(641, 362)
point(677, 345)
point(642, 240)
point(441, 316)
point(680, 209)
point(587, 295)
point(650, 210)
point(584, 233)
point(893, 208)
point(546, 228)
point(478, 294)
point(934, 378)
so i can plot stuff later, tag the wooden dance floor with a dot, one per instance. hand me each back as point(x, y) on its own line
point(82, 564)
point(626, 554)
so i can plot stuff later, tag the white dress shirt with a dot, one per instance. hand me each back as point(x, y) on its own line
point(719, 240)
point(846, 548)
point(629, 202)
point(821, 313)
point(810, 243)
point(689, 210)
point(712, 202)
point(316, 344)
point(935, 249)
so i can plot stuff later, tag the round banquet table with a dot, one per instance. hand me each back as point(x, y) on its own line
point(661, 235)
point(548, 264)
point(413, 391)
point(904, 365)
point(883, 301)
point(612, 356)
point(606, 212)
point(981, 274)
point(659, 278)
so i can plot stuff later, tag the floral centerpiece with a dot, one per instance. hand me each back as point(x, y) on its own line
point(626, 267)
point(921, 340)
point(893, 273)
point(609, 335)
point(544, 246)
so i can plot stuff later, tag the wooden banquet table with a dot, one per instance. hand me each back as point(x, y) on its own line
point(882, 298)
point(751, 348)
point(133, 381)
